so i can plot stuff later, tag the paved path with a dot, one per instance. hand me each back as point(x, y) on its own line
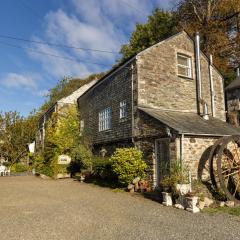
point(32, 209)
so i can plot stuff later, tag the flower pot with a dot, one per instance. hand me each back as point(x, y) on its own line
point(167, 199)
point(183, 189)
point(191, 204)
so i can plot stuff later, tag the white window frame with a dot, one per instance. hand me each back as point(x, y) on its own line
point(123, 109)
point(105, 119)
point(188, 67)
point(81, 127)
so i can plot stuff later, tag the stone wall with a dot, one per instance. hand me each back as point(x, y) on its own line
point(159, 85)
point(196, 152)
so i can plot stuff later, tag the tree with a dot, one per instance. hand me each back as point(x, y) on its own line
point(63, 130)
point(63, 138)
point(160, 25)
point(65, 87)
point(218, 24)
point(16, 132)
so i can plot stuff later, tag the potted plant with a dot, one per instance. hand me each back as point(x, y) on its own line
point(181, 178)
point(166, 186)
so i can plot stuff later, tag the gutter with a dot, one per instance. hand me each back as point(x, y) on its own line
point(133, 122)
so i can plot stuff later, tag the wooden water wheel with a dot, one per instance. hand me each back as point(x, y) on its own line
point(228, 167)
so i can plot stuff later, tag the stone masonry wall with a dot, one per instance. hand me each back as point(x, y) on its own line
point(147, 131)
point(196, 152)
point(159, 85)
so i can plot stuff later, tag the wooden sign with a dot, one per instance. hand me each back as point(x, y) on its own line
point(64, 159)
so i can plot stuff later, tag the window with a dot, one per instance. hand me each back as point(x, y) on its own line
point(105, 118)
point(123, 109)
point(81, 127)
point(184, 65)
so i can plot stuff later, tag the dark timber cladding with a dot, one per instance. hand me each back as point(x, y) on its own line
point(108, 93)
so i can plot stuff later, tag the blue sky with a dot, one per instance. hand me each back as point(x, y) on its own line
point(26, 76)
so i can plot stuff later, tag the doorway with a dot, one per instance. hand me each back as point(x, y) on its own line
point(162, 149)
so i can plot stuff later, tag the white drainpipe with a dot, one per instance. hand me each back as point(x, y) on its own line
point(181, 150)
point(198, 69)
point(212, 86)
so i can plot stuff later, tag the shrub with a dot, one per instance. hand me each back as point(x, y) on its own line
point(127, 164)
point(46, 170)
point(19, 167)
point(41, 166)
point(81, 159)
point(102, 168)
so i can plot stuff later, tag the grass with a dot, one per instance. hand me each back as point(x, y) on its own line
point(233, 211)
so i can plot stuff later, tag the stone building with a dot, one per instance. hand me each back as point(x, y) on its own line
point(233, 100)
point(61, 105)
point(168, 101)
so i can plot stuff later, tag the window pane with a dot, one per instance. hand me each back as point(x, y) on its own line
point(123, 109)
point(183, 71)
point(104, 120)
point(182, 60)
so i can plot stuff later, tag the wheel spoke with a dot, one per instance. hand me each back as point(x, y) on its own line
point(237, 153)
point(236, 189)
point(230, 160)
point(231, 174)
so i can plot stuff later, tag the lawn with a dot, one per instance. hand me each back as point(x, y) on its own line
point(233, 211)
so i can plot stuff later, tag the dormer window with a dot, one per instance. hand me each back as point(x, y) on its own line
point(184, 65)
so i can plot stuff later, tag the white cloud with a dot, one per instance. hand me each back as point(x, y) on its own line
point(15, 80)
point(93, 24)
point(57, 67)
point(29, 82)
point(43, 93)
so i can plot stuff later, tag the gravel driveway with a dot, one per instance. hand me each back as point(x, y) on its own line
point(32, 209)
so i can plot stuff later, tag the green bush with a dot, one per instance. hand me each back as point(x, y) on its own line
point(127, 164)
point(41, 166)
point(81, 159)
point(19, 167)
point(46, 170)
point(102, 168)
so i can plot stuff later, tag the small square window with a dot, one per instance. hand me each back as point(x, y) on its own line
point(123, 109)
point(81, 127)
point(184, 65)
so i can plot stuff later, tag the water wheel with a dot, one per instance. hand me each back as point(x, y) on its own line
point(228, 167)
point(212, 163)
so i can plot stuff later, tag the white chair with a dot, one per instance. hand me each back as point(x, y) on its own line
point(7, 171)
point(2, 170)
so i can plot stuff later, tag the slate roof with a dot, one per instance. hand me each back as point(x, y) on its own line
point(234, 84)
point(192, 123)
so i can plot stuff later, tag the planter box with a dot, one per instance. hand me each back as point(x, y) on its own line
point(167, 199)
point(63, 175)
point(191, 204)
